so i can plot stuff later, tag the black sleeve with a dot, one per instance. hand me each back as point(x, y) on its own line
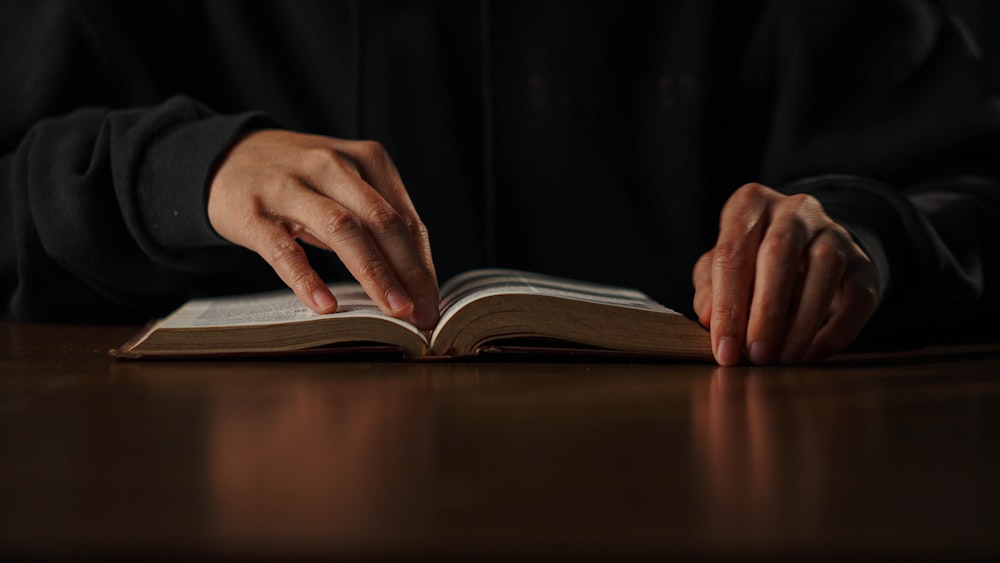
point(884, 112)
point(103, 199)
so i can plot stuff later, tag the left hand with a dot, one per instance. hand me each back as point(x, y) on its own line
point(784, 282)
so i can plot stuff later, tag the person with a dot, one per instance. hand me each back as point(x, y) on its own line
point(822, 172)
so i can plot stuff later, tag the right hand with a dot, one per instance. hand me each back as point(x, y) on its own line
point(274, 187)
point(784, 283)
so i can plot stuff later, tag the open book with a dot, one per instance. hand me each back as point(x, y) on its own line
point(482, 311)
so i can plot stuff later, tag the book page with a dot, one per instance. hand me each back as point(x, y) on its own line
point(477, 284)
point(271, 308)
point(492, 308)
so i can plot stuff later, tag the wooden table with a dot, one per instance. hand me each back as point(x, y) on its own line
point(892, 456)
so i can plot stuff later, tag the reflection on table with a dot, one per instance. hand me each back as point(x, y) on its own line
point(880, 456)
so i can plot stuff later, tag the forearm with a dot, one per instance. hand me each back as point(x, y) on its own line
point(108, 212)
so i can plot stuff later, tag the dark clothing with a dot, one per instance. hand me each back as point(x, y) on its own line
point(593, 140)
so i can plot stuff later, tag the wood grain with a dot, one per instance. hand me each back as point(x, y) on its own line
point(877, 456)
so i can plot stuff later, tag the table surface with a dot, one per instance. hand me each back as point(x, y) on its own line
point(894, 455)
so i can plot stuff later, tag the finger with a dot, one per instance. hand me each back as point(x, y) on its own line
point(826, 262)
point(392, 223)
point(777, 273)
point(344, 232)
point(406, 258)
point(378, 169)
point(735, 254)
point(853, 307)
point(701, 277)
point(278, 247)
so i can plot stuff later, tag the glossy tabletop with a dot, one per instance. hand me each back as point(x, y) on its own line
point(876, 456)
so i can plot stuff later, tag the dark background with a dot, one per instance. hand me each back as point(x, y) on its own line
point(982, 18)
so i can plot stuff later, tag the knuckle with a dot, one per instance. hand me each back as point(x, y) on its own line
point(286, 186)
point(371, 152)
point(724, 311)
point(301, 281)
point(371, 148)
point(705, 259)
point(701, 274)
point(342, 225)
point(828, 255)
point(841, 236)
point(417, 229)
point(731, 255)
point(740, 199)
point(749, 193)
point(801, 200)
point(252, 218)
point(745, 205)
point(752, 190)
point(373, 270)
point(320, 160)
point(284, 252)
point(383, 219)
point(806, 208)
point(288, 259)
point(318, 157)
point(779, 244)
point(771, 312)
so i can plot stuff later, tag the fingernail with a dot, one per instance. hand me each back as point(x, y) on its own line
point(324, 301)
point(759, 353)
point(426, 315)
point(397, 300)
point(729, 351)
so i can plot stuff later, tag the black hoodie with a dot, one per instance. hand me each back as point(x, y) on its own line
point(596, 140)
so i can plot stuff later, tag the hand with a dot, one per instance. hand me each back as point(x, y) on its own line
point(274, 187)
point(784, 282)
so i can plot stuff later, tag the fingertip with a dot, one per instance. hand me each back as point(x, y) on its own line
point(426, 315)
point(759, 353)
point(324, 301)
point(399, 303)
point(728, 352)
